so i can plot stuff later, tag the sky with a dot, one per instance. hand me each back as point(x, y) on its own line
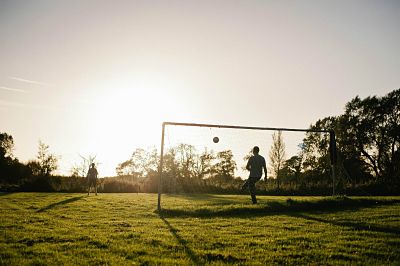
point(100, 77)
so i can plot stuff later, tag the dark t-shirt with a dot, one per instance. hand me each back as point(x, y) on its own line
point(92, 174)
point(256, 164)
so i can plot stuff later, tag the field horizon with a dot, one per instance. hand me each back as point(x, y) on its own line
point(197, 229)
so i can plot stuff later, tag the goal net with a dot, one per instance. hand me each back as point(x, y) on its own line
point(203, 158)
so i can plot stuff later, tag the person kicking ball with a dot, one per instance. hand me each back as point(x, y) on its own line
point(255, 165)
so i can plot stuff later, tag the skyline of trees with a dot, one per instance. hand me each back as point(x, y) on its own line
point(368, 141)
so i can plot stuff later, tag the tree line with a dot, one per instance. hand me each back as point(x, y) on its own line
point(368, 161)
point(368, 141)
point(368, 157)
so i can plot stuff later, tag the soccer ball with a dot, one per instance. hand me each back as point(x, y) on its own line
point(216, 139)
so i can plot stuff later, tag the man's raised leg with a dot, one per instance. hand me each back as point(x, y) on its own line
point(245, 185)
point(252, 189)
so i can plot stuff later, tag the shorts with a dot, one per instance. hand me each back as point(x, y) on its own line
point(92, 181)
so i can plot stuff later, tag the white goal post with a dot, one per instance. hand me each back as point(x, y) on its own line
point(333, 156)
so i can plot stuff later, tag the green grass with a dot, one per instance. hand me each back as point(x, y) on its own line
point(120, 229)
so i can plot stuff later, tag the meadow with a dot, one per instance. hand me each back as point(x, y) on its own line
point(126, 229)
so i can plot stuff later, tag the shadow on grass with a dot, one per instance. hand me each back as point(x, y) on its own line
point(349, 224)
point(66, 201)
point(211, 199)
point(5, 193)
point(189, 252)
point(279, 207)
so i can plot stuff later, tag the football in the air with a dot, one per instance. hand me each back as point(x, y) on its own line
point(216, 139)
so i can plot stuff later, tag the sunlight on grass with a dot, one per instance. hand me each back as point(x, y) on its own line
point(44, 228)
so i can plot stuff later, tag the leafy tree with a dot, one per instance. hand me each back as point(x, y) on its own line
point(34, 167)
point(368, 139)
point(277, 155)
point(186, 158)
point(391, 155)
point(46, 160)
point(6, 145)
point(125, 168)
point(141, 163)
point(11, 170)
point(316, 163)
point(224, 167)
point(170, 170)
point(372, 126)
point(292, 167)
point(204, 164)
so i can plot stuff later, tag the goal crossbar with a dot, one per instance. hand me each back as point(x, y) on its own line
point(244, 127)
point(164, 124)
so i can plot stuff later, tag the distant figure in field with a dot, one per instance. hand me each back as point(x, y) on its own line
point(92, 178)
point(255, 165)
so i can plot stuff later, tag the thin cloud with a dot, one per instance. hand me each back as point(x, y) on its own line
point(12, 104)
point(12, 89)
point(30, 81)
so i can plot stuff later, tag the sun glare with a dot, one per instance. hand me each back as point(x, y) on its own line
point(128, 114)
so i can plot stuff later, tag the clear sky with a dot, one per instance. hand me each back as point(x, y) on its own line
point(99, 77)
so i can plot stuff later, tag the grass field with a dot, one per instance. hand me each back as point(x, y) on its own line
point(119, 229)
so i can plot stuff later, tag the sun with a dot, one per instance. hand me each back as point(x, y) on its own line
point(128, 113)
point(145, 101)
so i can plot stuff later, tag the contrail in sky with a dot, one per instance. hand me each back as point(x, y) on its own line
point(30, 81)
point(29, 106)
point(12, 89)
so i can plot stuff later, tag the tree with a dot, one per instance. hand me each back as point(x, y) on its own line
point(315, 151)
point(6, 145)
point(203, 164)
point(372, 128)
point(125, 168)
point(246, 159)
point(391, 155)
point(170, 170)
point(224, 167)
point(11, 170)
point(82, 168)
point(46, 160)
point(34, 167)
point(292, 168)
point(368, 141)
point(277, 155)
point(186, 156)
point(141, 163)
point(144, 162)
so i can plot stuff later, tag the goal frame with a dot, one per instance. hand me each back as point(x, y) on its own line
point(332, 146)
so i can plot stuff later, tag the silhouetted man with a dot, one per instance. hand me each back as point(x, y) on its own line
point(255, 165)
point(92, 178)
